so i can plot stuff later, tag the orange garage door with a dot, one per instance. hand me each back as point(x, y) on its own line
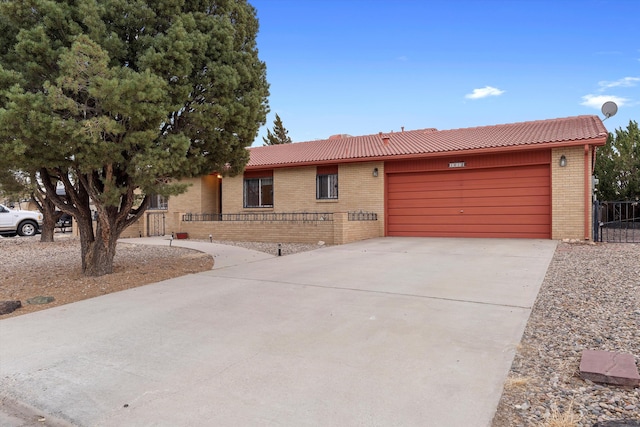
point(498, 202)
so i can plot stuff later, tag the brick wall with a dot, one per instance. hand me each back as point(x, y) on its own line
point(137, 229)
point(263, 231)
point(567, 194)
point(294, 190)
point(339, 231)
point(346, 231)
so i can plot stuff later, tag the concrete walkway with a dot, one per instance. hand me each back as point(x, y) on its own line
point(223, 255)
point(389, 331)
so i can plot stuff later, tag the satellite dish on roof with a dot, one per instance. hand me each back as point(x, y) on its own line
point(609, 109)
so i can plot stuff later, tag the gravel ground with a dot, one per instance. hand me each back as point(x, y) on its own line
point(590, 299)
point(271, 248)
point(29, 268)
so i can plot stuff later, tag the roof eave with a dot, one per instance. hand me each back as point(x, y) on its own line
point(598, 141)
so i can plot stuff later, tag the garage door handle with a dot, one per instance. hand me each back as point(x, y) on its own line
point(461, 211)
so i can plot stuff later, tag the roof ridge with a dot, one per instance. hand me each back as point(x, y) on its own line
point(427, 141)
point(528, 122)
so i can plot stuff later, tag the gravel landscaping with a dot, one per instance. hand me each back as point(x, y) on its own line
point(590, 299)
point(30, 269)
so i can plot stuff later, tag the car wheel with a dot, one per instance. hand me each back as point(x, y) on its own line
point(27, 229)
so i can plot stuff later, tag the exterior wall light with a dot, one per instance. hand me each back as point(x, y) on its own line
point(563, 161)
point(375, 172)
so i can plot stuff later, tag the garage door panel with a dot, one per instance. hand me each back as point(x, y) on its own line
point(516, 183)
point(474, 210)
point(511, 234)
point(471, 220)
point(426, 194)
point(498, 202)
point(475, 174)
point(505, 192)
point(513, 183)
point(428, 203)
point(468, 230)
point(421, 186)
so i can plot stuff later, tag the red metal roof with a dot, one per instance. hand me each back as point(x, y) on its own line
point(425, 142)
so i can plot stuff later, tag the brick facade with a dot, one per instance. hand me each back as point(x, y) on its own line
point(568, 194)
point(358, 190)
point(294, 190)
point(338, 231)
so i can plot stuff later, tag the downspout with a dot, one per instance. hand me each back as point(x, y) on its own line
point(587, 193)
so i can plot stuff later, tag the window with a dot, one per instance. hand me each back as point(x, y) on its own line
point(258, 192)
point(327, 182)
point(158, 202)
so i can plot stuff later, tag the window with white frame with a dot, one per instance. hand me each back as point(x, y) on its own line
point(157, 201)
point(258, 192)
point(327, 182)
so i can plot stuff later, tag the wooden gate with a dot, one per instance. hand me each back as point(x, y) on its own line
point(155, 224)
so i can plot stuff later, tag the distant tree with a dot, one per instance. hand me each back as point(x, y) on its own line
point(16, 185)
point(115, 98)
point(280, 135)
point(618, 165)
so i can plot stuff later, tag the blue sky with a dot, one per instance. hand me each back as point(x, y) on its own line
point(360, 67)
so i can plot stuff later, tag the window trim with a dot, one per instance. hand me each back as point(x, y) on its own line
point(245, 198)
point(161, 202)
point(330, 195)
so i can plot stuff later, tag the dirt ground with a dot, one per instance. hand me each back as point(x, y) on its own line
point(29, 268)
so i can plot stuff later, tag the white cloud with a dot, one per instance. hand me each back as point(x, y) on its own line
point(484, 92)
point(596, 101)
point(623, 82)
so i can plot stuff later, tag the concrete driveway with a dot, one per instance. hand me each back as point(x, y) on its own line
point(384, 332)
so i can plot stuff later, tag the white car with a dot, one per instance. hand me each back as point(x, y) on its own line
point(24, 223)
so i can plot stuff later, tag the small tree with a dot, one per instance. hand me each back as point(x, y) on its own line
point(280, 135)
point(618, 165)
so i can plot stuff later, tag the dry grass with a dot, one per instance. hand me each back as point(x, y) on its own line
point(563, 419)
point(569, 367)
point(517, 382)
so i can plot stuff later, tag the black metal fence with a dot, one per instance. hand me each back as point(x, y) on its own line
point(616, 222)
point(363, 216)
point(261, 217)
point(278, 217)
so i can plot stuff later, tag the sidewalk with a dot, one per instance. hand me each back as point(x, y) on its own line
point(223, 255)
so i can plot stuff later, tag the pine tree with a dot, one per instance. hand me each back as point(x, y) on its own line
point(280, 135)
point(113, 98)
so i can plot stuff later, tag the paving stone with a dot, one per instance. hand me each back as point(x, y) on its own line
point(40, 300)
point(609, 367)
point(619, 423)
point(7, 307)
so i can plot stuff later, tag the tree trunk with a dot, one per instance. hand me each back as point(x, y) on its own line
point(48, 227)
point(97, 248)
point(97, 256)
point(50, 217)
point(49, 213)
